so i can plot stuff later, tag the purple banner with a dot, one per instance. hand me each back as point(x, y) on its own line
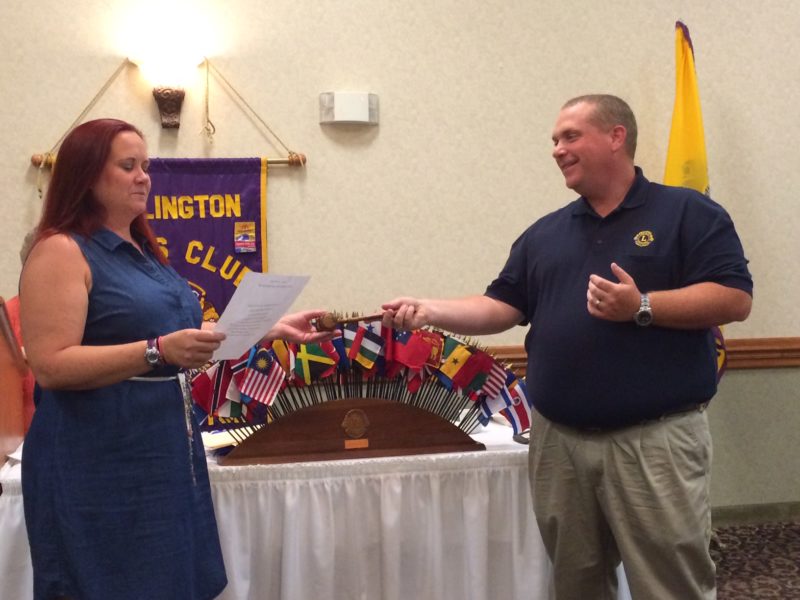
point(210, 215)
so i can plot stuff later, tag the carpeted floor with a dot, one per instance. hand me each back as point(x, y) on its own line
point(758, 561)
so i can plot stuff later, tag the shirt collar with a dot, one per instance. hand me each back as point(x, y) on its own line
point(108, 239)
point(635, 197)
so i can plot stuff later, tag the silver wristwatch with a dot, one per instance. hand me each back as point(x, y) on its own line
point(152, 355)
point(644, 316)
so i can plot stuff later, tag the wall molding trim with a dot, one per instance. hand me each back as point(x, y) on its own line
point(745, 353)
point(763, 353)
point(745, 514)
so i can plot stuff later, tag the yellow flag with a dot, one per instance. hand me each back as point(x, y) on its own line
point(687, 165)
point(686, 156)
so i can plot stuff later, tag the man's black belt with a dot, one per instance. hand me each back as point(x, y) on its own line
point(678, 410)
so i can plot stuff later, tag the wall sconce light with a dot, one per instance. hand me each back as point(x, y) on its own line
point(169, 101)
point(168, 76)
point(167, 49)
point(348, 107)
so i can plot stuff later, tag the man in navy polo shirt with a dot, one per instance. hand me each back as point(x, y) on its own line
point(621, 288)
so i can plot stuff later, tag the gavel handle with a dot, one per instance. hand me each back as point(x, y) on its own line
point(329, 321)
point(364, 318)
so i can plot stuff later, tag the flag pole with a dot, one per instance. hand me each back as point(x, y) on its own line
point(296, 159)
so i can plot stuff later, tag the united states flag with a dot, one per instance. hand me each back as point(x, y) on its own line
point(495, 382)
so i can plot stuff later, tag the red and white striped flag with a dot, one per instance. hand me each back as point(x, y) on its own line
point(263, 377)
point(495, 381)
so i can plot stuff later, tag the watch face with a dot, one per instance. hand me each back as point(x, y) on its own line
point(644, 317)
point(152, 356)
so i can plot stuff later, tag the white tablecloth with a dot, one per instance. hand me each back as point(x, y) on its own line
point(440, 526)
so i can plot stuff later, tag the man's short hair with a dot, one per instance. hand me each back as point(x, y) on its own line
point(610, 111)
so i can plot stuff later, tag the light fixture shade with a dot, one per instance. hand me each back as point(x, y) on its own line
point(348, 107)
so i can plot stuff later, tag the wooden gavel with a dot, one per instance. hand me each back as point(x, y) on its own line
point(329, 321)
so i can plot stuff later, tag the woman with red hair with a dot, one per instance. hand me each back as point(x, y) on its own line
point(115, 485)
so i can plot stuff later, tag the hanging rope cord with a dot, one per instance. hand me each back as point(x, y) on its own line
point(209, 128)
point(49, 157)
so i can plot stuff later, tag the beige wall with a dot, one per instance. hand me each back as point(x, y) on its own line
point(429, 201)
point(754, 422)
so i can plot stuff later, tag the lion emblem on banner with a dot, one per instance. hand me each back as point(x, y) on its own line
point(209, 311)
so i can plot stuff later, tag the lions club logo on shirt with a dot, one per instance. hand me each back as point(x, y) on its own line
point(644, 238)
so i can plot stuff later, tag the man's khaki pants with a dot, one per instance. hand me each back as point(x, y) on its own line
point(639, 494)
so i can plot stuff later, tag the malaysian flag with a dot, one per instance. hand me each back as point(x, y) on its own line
point(263, 377)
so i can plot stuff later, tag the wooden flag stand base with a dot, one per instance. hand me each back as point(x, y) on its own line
point(351, 428)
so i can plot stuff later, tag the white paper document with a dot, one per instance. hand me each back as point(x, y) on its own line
point(257, 304)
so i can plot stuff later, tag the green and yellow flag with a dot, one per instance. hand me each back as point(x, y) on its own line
point(686, 156)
